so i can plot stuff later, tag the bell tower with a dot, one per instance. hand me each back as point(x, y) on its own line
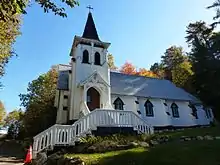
point(90, 76)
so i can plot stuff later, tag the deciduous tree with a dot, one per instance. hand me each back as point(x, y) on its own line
point(111, 62)
point(158, 69)
point(39, 103)
point(182, 75)
point(128, 68)
point(14, 121)
point(146, 73)
point(15, 115)
point(10, 8)
point(8, 32)
point(2, 112)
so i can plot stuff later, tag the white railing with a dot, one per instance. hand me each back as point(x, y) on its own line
point(67, 134)
point(55, 135)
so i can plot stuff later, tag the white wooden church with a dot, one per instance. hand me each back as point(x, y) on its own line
point(90, 97)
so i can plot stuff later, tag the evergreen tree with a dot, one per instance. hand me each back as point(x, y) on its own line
point(173, 57)
point(205, 65)
point(216, 18)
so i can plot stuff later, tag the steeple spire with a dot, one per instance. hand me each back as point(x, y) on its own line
point(90, 31)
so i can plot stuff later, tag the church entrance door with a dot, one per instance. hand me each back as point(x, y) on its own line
point(93, 99)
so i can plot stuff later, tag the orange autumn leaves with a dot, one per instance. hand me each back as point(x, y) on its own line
point(129, 68)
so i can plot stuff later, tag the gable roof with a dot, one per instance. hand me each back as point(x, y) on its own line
point(90, 31)
point(139, 86)
point(94, 76)
point(132, 85)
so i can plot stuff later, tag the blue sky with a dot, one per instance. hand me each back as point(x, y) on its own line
point(139, 32)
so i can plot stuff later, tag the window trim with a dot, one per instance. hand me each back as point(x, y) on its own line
point(118, 102)
point(208, 113)
point(85, 57)
point(175, 112)
point(65, 108)
point(97, 55)
point(194, 111)
point(168, 113)
point(149, 112)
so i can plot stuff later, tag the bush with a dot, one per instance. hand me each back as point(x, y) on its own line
point(91, 144)
point(120, 139)
point(14, 129)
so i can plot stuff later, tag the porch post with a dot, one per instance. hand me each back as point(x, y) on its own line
point(84, 98)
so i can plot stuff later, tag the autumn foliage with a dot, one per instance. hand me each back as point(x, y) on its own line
point(129, 68)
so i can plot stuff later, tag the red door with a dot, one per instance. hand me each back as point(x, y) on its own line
point(93, 99)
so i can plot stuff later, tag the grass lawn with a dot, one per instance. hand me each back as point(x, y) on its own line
point(173, 153)
point(214, 131)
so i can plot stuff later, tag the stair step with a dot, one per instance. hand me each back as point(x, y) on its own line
point(103, 131)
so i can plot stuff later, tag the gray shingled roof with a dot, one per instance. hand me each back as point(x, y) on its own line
point(132, 85)
point(63, 80)
point(123, 84)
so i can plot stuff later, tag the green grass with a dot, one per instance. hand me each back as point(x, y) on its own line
point(102, 158)
point(214, 131)
point(173, 153)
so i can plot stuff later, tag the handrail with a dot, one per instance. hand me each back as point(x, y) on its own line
point(44, 131)
point(67, 134)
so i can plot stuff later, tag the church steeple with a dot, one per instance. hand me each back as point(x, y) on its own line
point(90, 31)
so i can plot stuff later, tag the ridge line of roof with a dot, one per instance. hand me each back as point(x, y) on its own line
point(138, 75)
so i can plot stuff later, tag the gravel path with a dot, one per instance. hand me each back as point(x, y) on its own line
point(10, 161)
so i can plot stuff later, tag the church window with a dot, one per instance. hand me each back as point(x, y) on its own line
point(194, 111)
point(149, 108)
point(118, 103)
point(168, 113)
point(65, 108)
point(85, 58)
point(97, 59)
point(175, 110)
point(208, 113)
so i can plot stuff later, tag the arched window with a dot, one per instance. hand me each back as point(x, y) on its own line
point(194, 111)
point(85, 58)
point(118, 103)
point(97, 59)
point(208, 113)
point(149, 108)
point(175, 110)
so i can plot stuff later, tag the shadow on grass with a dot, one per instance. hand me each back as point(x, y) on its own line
point(11, 151)
point(213, 131)
point(184, 153)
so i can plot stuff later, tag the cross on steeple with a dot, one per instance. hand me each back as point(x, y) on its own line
point(90, 8)
point(90, 31)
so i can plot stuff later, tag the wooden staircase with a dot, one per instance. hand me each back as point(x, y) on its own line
point(99, 119)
